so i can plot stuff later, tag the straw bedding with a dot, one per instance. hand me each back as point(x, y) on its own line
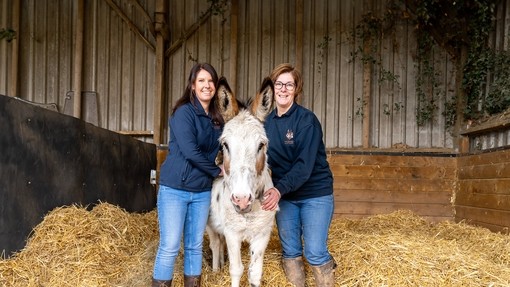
point(110, 247)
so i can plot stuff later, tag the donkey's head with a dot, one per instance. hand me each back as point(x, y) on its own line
point(244, 145)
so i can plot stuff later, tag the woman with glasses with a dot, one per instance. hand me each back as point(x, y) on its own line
point(303, 182)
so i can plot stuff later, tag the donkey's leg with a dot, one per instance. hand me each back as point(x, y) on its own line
point(216, 245)
point(258, 247)
point(234, 256)
point(222, 250)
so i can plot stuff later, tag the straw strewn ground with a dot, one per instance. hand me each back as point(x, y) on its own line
point(110, 247)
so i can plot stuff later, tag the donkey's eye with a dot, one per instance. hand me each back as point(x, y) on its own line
point(225, 147)
point(261, 146)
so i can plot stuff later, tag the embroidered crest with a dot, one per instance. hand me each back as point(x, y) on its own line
point(289, 135)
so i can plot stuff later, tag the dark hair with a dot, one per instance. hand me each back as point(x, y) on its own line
point(296, 74)
point(189, 96)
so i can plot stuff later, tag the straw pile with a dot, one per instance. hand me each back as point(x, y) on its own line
point(110, 247)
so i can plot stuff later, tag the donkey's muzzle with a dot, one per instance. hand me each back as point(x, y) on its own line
point(242, 204)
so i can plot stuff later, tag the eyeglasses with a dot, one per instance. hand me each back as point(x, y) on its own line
point(290, 86)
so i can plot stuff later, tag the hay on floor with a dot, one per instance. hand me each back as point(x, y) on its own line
point(108, 246)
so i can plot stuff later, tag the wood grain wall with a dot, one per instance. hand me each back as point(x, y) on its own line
point(435, 185)
point(371, 183)
point(483, 193)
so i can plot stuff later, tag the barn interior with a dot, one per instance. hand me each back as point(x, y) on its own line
point(416, 149)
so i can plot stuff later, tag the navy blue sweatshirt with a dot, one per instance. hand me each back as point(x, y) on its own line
point(192, 150)
point(296, 154)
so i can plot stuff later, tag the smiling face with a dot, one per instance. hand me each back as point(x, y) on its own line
point(204, 88)
point(283, 97)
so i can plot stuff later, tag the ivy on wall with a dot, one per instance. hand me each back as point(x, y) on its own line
point(7, 34)
point(461, 28)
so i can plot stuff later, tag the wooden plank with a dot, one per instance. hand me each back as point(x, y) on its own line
point(137, 133)
point(367, 93)
point(483, 200)
point(233, 44)
point(332, 99)
point(431, 219)
point(400, 52)
point(390, 160)
point(391, 172)
point(497, 218)
point(486, 171)
point(485, 158)
point(401, 184)
point(346, 102)
point(426, 209)
point(78, 59)
point(396, 196)
point(299, 34)
point(496, 124)
point(159, 80)
point(484, 186)
point(13, 84)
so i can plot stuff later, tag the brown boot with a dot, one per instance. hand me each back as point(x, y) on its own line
point(161, 283)
point(192, 281)
point(325, 274)
point(294, 270)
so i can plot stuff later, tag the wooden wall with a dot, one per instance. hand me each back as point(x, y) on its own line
point(244, 42)
point(370, 183)
point(435, 185)
point(483, 194)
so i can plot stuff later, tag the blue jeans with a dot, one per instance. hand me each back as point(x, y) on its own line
point(180, 213)
point(305, 221)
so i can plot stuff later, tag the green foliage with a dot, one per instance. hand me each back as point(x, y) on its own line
point(386, 76)
point(8, 34)
point(323, 48)
point(427, 83)
point(492, 65)
point(360, 107)
point(455, 26)
point(218, 7)
point(387, 109)
point(369, 31)
point(450, 113)
point(498, 98)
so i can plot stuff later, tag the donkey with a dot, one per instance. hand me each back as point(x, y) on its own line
point(236, 214)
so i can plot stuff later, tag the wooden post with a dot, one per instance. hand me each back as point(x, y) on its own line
point(367, 82)
point(464, 144)
point(159, 81)
point(233, 44)
point(461, 100)
point(13, 86)
point(299, 35)
point(78, 59)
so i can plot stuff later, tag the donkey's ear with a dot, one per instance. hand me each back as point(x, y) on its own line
point(263, 103)
point(226, 103)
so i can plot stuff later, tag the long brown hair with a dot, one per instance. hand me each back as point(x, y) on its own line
point(189, 96)
point(296, 74)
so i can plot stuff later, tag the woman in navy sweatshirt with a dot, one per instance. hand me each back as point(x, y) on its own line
point(186, 177)
point(303, 182)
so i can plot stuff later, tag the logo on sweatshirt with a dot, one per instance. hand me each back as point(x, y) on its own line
point(290, 137)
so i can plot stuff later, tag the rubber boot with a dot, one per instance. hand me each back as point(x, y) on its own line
point(161, 283)
point(192, 281)
point(325, 274)
point(294, 270)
